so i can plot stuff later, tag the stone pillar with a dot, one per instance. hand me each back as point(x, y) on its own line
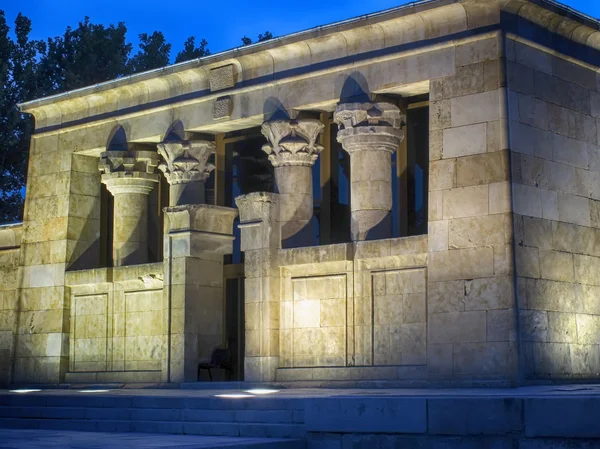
point(186, 170)
point(197, 236)
point(130, 177)
point(293, 150)
point(370, 133)
point(261, 241)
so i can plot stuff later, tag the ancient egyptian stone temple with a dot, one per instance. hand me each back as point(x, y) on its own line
point(409, 196)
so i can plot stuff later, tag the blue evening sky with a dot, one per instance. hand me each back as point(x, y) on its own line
point(222, 24)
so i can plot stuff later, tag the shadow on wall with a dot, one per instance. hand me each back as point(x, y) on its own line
point(355, 89)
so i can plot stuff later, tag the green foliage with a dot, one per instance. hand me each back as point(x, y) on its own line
point(82, 56)
point(18, 76)
point(154, 53)
point(190, 51)
point(267, 35)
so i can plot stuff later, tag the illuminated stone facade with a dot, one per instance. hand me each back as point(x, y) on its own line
point(124, 266)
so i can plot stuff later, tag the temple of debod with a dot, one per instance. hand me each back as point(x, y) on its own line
point(412, 195)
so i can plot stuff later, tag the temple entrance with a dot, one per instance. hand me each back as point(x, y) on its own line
point(233, 319)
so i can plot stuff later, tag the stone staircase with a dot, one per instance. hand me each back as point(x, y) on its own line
point(257, 417)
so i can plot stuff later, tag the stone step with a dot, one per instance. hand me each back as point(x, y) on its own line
point(256, 430)
point(153, 402)
point(151, 414)
point(41, 439)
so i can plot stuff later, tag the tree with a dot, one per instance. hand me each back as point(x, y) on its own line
point(84, 56)
point(190, 51)
point(17, 83)
point(154, 53)
point(267, 35)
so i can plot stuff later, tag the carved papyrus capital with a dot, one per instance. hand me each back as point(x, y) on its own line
point(369, 126)
point(129, 171)
point(292, 142)
point(186, 161)
point(128, 162)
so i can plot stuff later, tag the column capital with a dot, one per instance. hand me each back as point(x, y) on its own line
point(365, 126)
point(187, 161)
point(292, 142)
point(129, 171)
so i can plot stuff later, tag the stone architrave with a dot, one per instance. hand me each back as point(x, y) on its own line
point(129, 176)
point(261, 242)
point(293, 150)
point(370, 133)
point(197, 236)
point(186, 169)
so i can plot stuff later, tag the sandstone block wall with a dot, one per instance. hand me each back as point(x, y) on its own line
point(10, 242)
point(470, 303)
point(554, 111)
point(49, 236)
point(353, 311)
point(117, 327)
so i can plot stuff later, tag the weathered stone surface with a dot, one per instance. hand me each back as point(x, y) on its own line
point(370, 133)
point(513, 201)
point(222, 77)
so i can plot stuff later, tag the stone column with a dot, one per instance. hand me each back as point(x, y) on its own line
point(370, 133)
point(293, 150)
point(261, 241)
point(186, 170)
point(197, 236)
point(130, 177)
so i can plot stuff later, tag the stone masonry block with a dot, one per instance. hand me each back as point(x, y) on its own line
point(484, 359)
point(537, 233)
point(562, 327)
point(528, 262)
point(562, 417)
point(527, 200)
point(489, 293)
point(467, 416)
point(461, 264)
point(366, 415)
point(477, 108)
point(476, 51)
point(442, 174)
point(482, 169)
point(465, 202)
point(474, 232)
point(457, 327)
point(556, 266)
point(574, 209)
point(465, 140)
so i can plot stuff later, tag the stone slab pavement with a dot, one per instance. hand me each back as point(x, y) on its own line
point(40, 439)
point(205, 391)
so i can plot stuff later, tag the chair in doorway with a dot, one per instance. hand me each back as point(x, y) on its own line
point(220, 359)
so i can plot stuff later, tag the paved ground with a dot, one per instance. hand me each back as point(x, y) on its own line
point(533, 391)
point(38, 439)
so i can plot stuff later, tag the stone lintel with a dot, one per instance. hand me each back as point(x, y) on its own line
point(205, 218)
